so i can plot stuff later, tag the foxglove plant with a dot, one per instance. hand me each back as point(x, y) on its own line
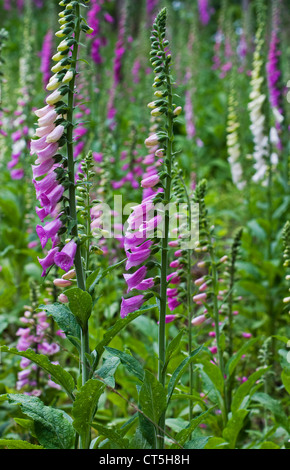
point(120, 49)
point(55, 128)
point(35, 334)
point(143, 233)
point(209, 296)
point(204, 13)
point(46, 54)
point(273, 78)
point(233, 145)
point(286, 255)
point(256, 109)
point(3, 39)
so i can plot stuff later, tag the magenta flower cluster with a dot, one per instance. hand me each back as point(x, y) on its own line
point(20, 138)
point(49, 190)
point(141, 226)
point(33, 335)
point(45, 55)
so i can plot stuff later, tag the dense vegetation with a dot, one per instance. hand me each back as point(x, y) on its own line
point(144, 241)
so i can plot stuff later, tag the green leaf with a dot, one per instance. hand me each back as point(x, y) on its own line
point(244, 389)
point(233, 427)
point(52, 427)
point(177, 374)
point(152, 397)
point(118, 326)
point(269, 445)
point(81, 304)
point(85, 406)
point(18, 444)
point(286, 381)
point(185, 434)
point(64, 318)
point(216, 443)
point(113, 435)
point(129, 362)
point(214, 374)
point(95, 277)
point(234, 360)
point(197, 443)
point(171, 348)
point(107, 371)
point(152, 402)
point(59, 375)
point(274, 406)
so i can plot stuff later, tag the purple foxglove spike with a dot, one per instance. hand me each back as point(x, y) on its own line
point(65, 258)
point(48, 231)
point(134, 279)
point(131, 305)
point(48, 260)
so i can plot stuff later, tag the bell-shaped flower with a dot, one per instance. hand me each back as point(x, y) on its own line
point(43, 168)
point(48, 152)
point(48, 231)
point(49, 200)
point(48, 261)
point(65, 258)
point(131, 305)
point(56, 134)
point(134, 279)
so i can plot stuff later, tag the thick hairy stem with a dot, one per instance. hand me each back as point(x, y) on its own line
point(80, 275)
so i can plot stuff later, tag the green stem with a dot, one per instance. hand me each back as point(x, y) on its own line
point(189, 300)
point(80, 275)
point(164, 259)
point(217, 328)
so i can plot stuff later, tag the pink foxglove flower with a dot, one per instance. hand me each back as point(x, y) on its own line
point(65, 258)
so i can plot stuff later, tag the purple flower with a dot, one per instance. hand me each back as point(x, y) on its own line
point(65, 258)
point(49, 200)
point(48, 231)
point(203, 11)
point(134, 279)
point(48, 261)
point(131, 305)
